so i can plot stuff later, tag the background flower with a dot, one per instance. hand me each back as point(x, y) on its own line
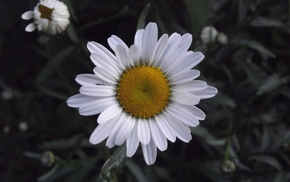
point(50, 16)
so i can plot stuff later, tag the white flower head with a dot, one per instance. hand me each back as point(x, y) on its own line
point(50, 16)
point(145, 94)
point(208, 34)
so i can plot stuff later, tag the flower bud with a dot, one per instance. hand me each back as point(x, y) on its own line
point(208, 34)
point(227, 167)
point(222, 38)
point(47, 158)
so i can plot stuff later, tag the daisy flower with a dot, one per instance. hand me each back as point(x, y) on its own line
point(145, 94)
point(50, 16)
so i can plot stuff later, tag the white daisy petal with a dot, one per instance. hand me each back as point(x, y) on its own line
point(209, 92)
point(105, 62)
point(97, 106)
point(166, 129)
point(97, 48)
point(132, 142)
point(182, 115)
point(125, 130)
point(198, 113)
point(149, 41)
point(102, 132)
point(134, 55)
point(27, 15)
point(180, 129)
point(106, 75)
point(157, 135)
point(143, 131)
point(88, 79)
point(78, 100)
point(185, 98)
point(183, 77)
point(122, 56)
point(159, 50)
point(192, 86)
point(114, 41)
point(178, 47)
point(118, 120)
point(138, 38)
point(188, 61)
point(97, 90)
point(31, 27)
point(109, 113)
point(149, 152)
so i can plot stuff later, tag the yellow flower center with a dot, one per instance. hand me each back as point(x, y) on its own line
point(45, 12)
point(143, 91)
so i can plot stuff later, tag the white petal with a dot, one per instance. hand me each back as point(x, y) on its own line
point(159, 50)
point(78, 100)
point(206, 93)
point(122, 57)
point(190, 86)
point(134, 56)
point(143, 131)
point(182, 115)
point(97, 106)
point(166, 129)
point(138, 38)
point(97, 48)
point(27, 15)
point(102, 132)
point(198, 113)
point(149, 41)
point(105, 62)
point(88, 79)
point(113, 41)
point(132, 142)
point(178, 48)
point(149, 152)
point(185, 98)
point(31, 27)
point(97, 90)
point(157, 135)
point(118, 119)
point(109, 113)
point(187, 61)
point(184, 76)
point(180, 129)
point(108, 76)
point(125, 130)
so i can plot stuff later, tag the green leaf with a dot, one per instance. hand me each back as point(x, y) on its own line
point(199, 12)
point(53, 62)
point(142, 18)
point(263, 51)
point(203, 133)
point(268, 160)
point(49, 174)
point(72, 33)
point(261, 21)
point(32, 155)
point(271, 83)
point(136, 171)
point(62, 144)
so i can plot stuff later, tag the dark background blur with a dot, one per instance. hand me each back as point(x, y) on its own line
point(245, 137)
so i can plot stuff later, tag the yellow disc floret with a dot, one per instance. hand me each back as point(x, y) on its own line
point(143, 91)
point(45, 12)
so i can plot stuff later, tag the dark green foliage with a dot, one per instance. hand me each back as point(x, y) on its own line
point(247, 122)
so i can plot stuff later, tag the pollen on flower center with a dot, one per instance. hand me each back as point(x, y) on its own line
point(143, 91)
point(45, 12)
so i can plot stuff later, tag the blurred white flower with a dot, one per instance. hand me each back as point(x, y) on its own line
point(7, 95)
point(208, 34)
point(145, 93)
point(23, 126)
point(222, 38)
point(6, 129)
point(50, 16)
